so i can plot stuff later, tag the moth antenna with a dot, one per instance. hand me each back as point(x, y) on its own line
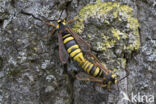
point(127, 74)
point(52, 20)
point(45, 20)
point(61, 14)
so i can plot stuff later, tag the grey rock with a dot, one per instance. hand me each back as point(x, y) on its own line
point(30, 69)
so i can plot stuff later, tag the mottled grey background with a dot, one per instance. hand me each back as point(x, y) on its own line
point(31, 72)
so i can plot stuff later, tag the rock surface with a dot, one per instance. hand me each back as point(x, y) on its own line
point(30, 69)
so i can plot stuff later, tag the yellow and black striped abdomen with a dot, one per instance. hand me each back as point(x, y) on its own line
point(72, 48)
point(75, 52)
point(91, 69)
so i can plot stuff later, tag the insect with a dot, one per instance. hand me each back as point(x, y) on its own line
point(73, 46)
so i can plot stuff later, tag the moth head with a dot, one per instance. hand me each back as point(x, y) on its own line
point(114, 78)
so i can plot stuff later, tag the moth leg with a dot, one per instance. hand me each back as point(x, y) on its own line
point(92, 55)
point(104, 86)
point(82, 79)
point(51, 33)
point(48, 23)
point(92, 79)
point(70, 21)
point(101, 85)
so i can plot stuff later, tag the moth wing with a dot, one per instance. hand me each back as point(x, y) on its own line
point(63, 54)
point(82, 43)
point(85, 77)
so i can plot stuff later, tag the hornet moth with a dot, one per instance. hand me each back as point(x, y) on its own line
point(71, 45)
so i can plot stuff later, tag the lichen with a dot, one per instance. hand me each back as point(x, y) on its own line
point(101, 10)
point(123, 61)
point(116, 20)
point(116, 33)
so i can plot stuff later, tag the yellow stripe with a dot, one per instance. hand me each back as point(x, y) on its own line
point(68, 39)
point(88, 70)
point(79, 58)
point(57, 26)
point(64, 22)
point(74, 46)
point(96, 71)
point(84, 64)
point(75, 52)
point(88, 63)
point(66, 36)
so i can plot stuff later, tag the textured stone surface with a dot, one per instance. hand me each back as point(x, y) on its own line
point(30, 69)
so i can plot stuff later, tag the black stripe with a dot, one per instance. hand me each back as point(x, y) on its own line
point(85, 64)
point(73, 49)
point(92, 70)
point(76, 54)
point(88, 67)
point(70, 43)
point(64, 32)
point(98, 75)
point(104, 75)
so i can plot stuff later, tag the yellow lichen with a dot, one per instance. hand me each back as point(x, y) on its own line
point(89, 35)
point(78, 27)
point(109, 44)
point(137, 44)
point(123, 63)
point(116, 33)
point(100, 10)
point(105, 37)
point(127, 37)
point(114, 69)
